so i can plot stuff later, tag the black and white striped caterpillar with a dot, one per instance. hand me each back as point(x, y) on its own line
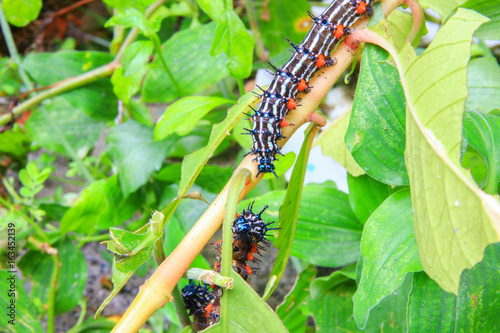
point(293, 77)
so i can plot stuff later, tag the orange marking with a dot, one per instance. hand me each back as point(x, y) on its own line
point(284, 123)
point(248, 269)
point(253, 248)
point(320, 62)
point(361, 7)
point(249, 256)
point(290, 105)
point(208, 309)
point(339, 31)
point(302, 85)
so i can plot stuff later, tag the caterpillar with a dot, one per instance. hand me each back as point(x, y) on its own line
point(249, 230)
point(293, 77)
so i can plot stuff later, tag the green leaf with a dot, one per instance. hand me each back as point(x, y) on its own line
point(322, 285)
point(140, 113)
point(21, 12)
point(430, 309)
point(86, 210)
point(489, 30)
point(96, 99)
point(25, 179)
point(280, 19)
point(119, 208)
point(289, 311)
point(72, 276)
point(453, 217)
point(58, 126)
point(483, 79)
point(126, 87)
point(332, 311)
point(327, 232)
point(376, 133)
point(233, 38)
point(136, 56)
point(23, 315)
point(242, 301)
point(214, 8)
point(443, 8)
point(124, 4)
point(38, 266)
point(187, 54)
point(331, 141)
point(365, 195)
point(389, 252)
point(479, 294)
point(193, 163)
point(15, 142)
point(181, 117)
point(136, 154)
point(483, 133)
point(132, 18)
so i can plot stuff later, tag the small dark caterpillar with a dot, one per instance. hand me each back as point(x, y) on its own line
point(249, 230)
point(293, 77)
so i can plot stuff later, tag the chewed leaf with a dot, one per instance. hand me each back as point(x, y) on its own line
point(454, 219)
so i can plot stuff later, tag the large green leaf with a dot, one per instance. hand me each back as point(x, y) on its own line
point(389, 252)
point(60, 127)
point(365, 195)
point(233, 39)
point(454, 219)
point(332, 310)
point(443, 8)
point(21, 12)
point(431, 309)
point(489, 30)
point(187, 55)
point(100, 206)
point(478, 300)
point(280, 19)
point(483, 78)
point(18, 313)
point(243, 300)
point(193, 163)
point(136, 56)
point(38, 267)
point(181, 117)
point(327, 233)
point(376, 132)
point(96, 99)
point(483, 133)
point(290, 310)
point(331, 141)
point(136, 153)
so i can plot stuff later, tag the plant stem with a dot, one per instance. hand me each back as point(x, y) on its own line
point(52, 294)
point(11, 45)
point(81, 317)
point(260, 50)
point(83, 79)
point(61, 87)
point(157, 45)
point(239, 178)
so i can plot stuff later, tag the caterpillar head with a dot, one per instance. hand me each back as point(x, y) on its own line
point(266, 165)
